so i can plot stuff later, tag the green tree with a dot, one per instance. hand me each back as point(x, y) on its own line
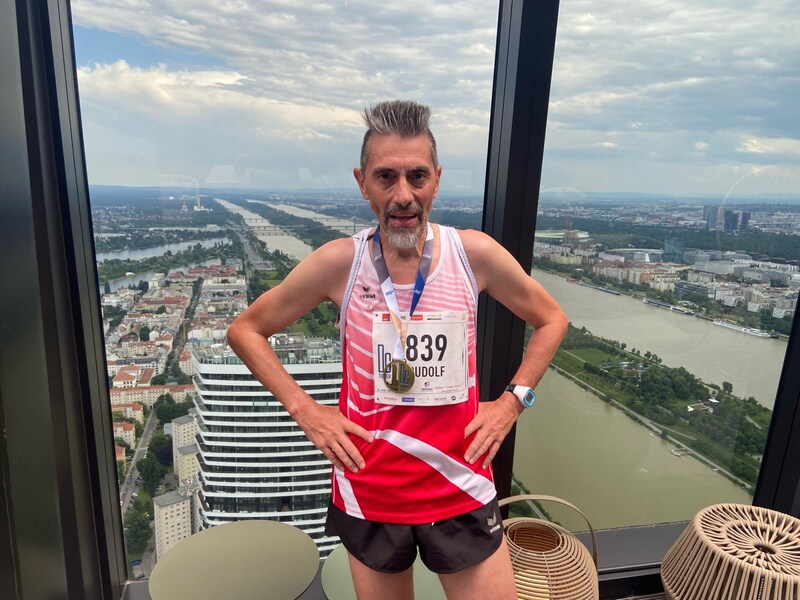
point(144, 333)
point(107, 287)
point(161, 447)
point(151, 471)
point(167, 409)
point(159, 379)
point(137, 531)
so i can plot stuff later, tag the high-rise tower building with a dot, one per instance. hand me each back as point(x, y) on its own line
point(172, 516)
point(731, 221)
point(255, 462)
point(745, 222)
point(711, 217)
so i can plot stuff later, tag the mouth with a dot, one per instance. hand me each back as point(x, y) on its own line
point(410, 216)
point(403, 220)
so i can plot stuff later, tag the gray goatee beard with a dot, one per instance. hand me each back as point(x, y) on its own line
point(404, 238)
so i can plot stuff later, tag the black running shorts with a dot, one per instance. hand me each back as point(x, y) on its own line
point(445, 546)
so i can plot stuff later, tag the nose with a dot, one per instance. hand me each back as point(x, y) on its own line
point(403, 192)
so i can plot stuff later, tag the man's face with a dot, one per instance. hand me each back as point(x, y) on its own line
point(400, 184)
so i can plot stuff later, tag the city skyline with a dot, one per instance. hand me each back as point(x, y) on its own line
point(667, 97)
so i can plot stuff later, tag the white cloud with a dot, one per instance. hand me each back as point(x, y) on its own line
point(770, 146)
point(281, 83)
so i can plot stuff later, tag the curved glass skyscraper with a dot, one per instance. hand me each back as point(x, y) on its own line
point(255, 462)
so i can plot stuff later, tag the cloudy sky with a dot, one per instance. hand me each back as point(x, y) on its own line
point(669, 96)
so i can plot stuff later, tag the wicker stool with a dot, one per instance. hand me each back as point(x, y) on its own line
point(549, 562)
point(737, 552)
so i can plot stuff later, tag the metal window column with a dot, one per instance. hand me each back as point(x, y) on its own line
point(523, 68)
point(61, 511)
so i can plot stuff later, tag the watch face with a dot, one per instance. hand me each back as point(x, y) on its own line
point(528, 398)
point(525, 395)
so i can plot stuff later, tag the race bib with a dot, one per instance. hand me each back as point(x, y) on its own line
point(436, 351)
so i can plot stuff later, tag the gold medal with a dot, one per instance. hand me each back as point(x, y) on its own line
point(398, 376)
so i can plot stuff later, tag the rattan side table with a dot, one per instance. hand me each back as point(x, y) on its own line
point(736, 552)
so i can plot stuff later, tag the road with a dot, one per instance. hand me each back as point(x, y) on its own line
point(253, 257)
point(129, 486)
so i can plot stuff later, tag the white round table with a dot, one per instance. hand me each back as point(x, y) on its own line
point(246, 560)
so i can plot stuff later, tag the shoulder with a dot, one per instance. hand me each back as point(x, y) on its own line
point(333, 258)
point(492, 265)
point(479, 247)
point(338, 250)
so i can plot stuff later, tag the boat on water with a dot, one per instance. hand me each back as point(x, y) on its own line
point(666, 306)
point(736, 327)
point(657, 303)
point(600, 289)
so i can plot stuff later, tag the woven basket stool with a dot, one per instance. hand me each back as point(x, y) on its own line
point(549, 562)
point(736, 552)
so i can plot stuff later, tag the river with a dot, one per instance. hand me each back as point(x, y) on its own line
point(573, 445)
point(138, 254)
point(712, 353)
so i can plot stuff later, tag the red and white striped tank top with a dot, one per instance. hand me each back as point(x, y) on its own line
point(415, 470)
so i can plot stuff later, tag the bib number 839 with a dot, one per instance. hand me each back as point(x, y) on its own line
point(423, 347)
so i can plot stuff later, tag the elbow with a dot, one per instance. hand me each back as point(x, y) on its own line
point(233, 335)
point(562, 322)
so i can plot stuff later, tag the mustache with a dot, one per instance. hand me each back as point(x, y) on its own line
point(396, 208)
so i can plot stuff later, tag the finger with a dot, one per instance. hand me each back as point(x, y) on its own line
point(490, 455)
point(359, 431)
point(472, 426)
point(351, 456)
point(477, 448)
point(331, 456)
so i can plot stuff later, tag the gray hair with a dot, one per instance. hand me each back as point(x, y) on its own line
point(405, 118)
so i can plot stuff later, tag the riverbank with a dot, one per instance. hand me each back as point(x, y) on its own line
point(573, 445)
point(712, 353)
point(659, 429)
point(708, 310)
point(115, 269)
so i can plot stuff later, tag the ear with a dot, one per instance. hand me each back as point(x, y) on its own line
point(361, 182)
point(438, 178)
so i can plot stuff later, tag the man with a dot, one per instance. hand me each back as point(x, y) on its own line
point(410, 444)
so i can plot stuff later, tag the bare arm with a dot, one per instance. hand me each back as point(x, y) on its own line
point(502, 277)
point(321, 276)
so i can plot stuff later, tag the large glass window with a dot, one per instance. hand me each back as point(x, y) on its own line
point(668, 230)
point(220, 141)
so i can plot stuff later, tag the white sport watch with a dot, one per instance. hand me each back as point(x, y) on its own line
point(524, 394)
